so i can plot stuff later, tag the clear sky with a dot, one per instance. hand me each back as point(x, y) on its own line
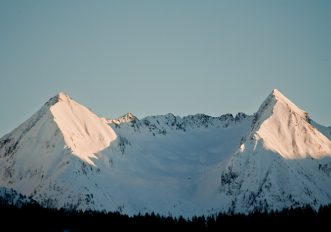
point(154, 57)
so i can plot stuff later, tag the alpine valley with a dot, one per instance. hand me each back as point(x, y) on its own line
point(65, 156)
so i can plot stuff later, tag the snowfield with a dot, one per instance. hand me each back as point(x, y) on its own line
point(67, 156)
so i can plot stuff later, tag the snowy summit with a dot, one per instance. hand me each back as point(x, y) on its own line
point(286, 130)
point(83, 131)
point(67, 156)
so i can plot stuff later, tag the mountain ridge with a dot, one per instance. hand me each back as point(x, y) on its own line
point(67, 156)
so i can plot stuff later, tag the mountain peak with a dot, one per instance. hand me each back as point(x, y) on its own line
point(276, 100)
point(84, 132)
point(279, 97)
point(63, 96)
point(284, 128)
point(129, 117)
point(276, 92)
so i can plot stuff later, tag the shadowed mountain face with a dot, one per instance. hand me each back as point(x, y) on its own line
point(67, 156)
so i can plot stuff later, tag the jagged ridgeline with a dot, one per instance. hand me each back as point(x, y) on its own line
point(66, 156)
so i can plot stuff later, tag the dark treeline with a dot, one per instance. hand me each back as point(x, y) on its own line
point(36, 218)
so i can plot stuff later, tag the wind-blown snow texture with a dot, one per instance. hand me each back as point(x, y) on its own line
point(66, 156)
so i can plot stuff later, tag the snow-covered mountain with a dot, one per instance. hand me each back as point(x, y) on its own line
point(284, 161)
point(67, 156)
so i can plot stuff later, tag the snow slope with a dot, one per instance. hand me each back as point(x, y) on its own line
point(83, 131)
point(285, 161)
point(285, 129)
point(66, 156)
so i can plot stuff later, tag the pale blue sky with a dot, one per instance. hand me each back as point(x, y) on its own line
point(155, 57)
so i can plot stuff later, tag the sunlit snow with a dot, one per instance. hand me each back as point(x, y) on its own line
point(67, 156)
